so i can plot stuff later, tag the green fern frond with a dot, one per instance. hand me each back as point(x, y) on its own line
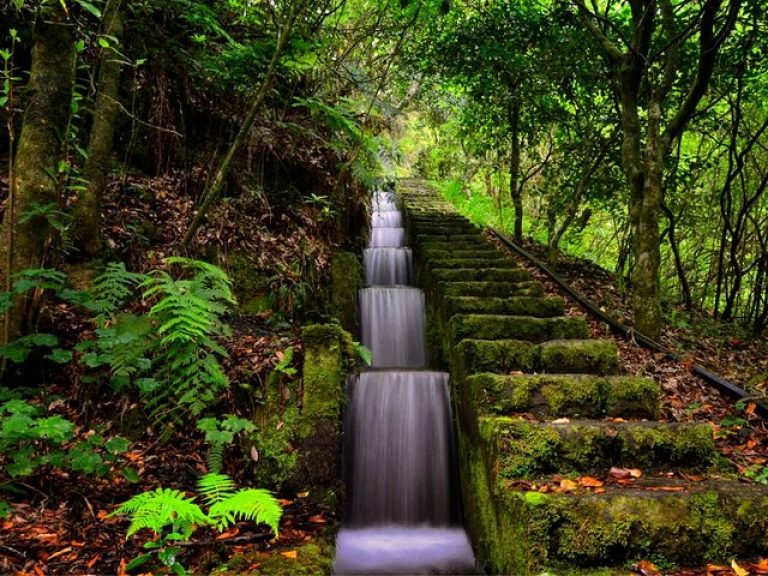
point(254, 504)
point(112, 288)
point(160, 508)
point(215, 487)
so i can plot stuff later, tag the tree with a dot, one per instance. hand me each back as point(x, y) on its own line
point(87, 216)
point(26, 231)
point(662, 55)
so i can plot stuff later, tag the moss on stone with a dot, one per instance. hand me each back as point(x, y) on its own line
point(579, 356)
point(491, 289)
point(461, 237)
point(498, 327)
point(565, 328)
point(312, 558)
point(451, 262)
point(572, 395)
point(346, 281)
point(683, 444)
point(251, 288)
point(632, 396)
point(474, 356)
point(323, 373)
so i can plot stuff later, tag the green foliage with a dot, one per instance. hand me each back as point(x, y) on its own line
point(174, 517)
point(30, 440)
point(220, 433)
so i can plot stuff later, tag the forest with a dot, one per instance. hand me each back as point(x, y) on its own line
point(188, 200)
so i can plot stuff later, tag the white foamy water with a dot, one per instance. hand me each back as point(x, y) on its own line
point(387, 237)
point(392, 324)
point(403, 550)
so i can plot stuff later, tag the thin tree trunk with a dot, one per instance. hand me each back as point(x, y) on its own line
point(39, 149)
point(514, 165)
point(685, 287)
point(211, 195)
point(87, 210)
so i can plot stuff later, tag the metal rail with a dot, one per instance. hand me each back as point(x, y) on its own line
point(714, 379)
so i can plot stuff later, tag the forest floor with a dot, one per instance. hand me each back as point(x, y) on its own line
point(59, 522)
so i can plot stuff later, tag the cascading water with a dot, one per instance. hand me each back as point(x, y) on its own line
point(402, 513)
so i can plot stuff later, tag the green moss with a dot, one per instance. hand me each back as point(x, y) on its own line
point(522, 448)
point(572, 395)
point(498, 327)
point(312, 558)
point(491, 289)
point(579, 356)
point(631, 396)
point(498, 394)
point(481, 274)
point(451, 262)
point(346, 280)
point(675, 444)
point(250, 286)
point(516, 306)
point(567, 328)
point(473, 356)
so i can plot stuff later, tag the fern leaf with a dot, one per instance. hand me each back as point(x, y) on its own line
point(254, 504)
point(215, 487)
point(160, 508)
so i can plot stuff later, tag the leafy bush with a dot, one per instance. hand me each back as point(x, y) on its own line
point(30, 440)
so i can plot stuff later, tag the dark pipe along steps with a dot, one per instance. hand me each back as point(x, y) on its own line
point(538, 404)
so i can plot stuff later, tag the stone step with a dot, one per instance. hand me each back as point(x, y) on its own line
point(572, 395)
point(492, 289)
point(555, 357)
point(673, 521)
point(480, 274)
point(524, 449)
point(449, 238)
point(531, 306)
point(504, 327)
point(474, 262)
point(447, 229)
point(471, 250)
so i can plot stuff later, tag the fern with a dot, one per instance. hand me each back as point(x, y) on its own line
point(112, 289)
point(161, 508)
point(215, 488)
point(254, 504)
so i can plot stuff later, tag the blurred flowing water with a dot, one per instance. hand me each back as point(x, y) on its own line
point(402, 513)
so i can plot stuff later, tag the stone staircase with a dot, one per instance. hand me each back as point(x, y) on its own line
point(543, 415)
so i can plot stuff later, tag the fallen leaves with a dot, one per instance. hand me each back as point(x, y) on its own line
point(645, 568)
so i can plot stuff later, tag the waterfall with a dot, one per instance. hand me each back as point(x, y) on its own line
point(402, 512)
point(387, 266)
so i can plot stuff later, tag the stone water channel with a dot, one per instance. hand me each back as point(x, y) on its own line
point(403, 508)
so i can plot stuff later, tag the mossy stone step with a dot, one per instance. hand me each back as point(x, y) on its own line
point(442, 250)
point(523, 449)
point(518, 532)
point(492, 289)
point(448, 229)
point(556, 395)
point(504, 356)
point(531, 306)
point(480, 274)
point(428, 237)
point(504, 327)
point(483, 262)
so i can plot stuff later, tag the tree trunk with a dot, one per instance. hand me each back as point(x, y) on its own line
point(49, 90)
point(685, 287)
point(87, 210)
point(514, 166)
point(646, 296)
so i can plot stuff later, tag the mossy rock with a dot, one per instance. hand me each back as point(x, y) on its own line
point(495, 356)
point(311, 558)
point(491, 289)
point(480, 274)
point(444, 252)
point(579, 357)
point(323, 372)
point(555, 395)
point(525, 449)
point(451, 262)
point(346, 281)
point(501, 327)
point(470, 237)
point(250, 286)
point(686, 528)
point(518, 306)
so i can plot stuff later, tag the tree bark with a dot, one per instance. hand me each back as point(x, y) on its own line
point(514, 165)
point(87, 210)
point(23, 243)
